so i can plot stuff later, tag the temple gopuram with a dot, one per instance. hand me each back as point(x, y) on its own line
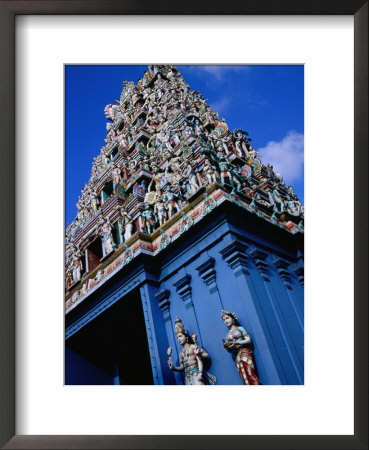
point(184, 264)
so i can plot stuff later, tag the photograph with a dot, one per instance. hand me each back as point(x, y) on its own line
point(185, 141)
point(184, 224)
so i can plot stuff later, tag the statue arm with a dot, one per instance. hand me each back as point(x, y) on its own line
point(180, 368)
point(150, 184)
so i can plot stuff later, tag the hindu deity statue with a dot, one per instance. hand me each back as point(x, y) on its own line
point(192, 358)
point(107, 233)
point(238, 342)
point(77, 265)
point(127, 224)
point(160, 209)
point(149, 219)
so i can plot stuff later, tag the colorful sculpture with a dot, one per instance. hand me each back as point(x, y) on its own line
point(191, 358)
point(77, 265)
point(107, 234)
point(166, 137)
point(238, 342)
point(149, 219)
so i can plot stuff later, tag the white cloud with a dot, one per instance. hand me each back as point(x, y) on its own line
point(217, 72)
point(286, 156)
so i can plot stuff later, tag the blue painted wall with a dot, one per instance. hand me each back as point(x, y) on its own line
point(230, 260)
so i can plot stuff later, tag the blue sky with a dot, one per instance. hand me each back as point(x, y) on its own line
point(267, 101)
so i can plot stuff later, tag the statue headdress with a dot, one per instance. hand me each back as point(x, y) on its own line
point(179, 327)
point(227, 313)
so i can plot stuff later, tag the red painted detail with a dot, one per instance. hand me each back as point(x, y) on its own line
point(175, 230)
point(218, 194)
point(109, 269)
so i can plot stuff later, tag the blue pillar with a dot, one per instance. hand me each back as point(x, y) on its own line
point(156, 333)
point(276, 316)
point(287, 278)
point(162, 298)
point(266, 356)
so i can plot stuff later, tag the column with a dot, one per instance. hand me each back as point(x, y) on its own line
point(207, 272)
point(162, 298)
point(298, 268)
point(287, 277)
point(156, 333)
point(266, 358)
point(278, 317)
point(184, 290)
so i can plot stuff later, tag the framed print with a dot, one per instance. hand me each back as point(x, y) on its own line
point(170, 160)
point(54, 51)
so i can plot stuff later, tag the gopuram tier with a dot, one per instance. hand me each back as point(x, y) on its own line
point(168, 161)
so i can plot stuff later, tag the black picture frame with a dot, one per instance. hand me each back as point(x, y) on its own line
point(8, 12)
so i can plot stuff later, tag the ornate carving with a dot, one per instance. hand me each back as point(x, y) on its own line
point(184, 290)
point(163, 145)
point(164, 303)
point(282, 268)
point(260, 262)
point(186, 222)
point(164, 241)
point(208, 274)
point(208, 205)
point(235, 255)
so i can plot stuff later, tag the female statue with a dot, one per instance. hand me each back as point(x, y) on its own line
point(94, 200)
point(210, 172)
point(127, 224)
point(189, 173)
point(107, 234)
point(238, 342)
point(191, 358)
point(77, 265)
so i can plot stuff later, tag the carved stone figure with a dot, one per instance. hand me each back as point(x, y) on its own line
point(293, 207)
point(77, 265)
point(277, 200)
point(170, 199)
point(160, 209)
point(259, 200)
point(191, 358)
point(253, 154)
point(116, 172)
point(238, 342)
point(224, 171)
point(107, 233)
point(189, 173)
point(127, 224)
point(210, 172)
point(149, 219)
point(99, 276)
point(94, 200)
point(157, 180)
point(161, 130)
